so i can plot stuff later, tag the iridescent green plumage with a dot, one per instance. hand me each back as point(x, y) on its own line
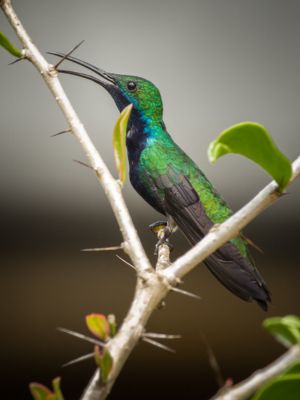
point(155, 159)
point(163, 174)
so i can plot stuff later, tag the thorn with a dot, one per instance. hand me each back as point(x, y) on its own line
point(251, 243)
point(82, 337)
point(159, 345)
point(61, 132)
point(111, 248)
point(79, 359)
point(126, 262)
point(16, 61)
point(84, 164)
point(68, 54)
point(213, 362)
point(160, 336)
point(185, 293)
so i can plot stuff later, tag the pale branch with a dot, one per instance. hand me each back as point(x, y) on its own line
point(110, 185)
point(163, 257)
point(152, 286)
point(249, 386)
point(227, 230)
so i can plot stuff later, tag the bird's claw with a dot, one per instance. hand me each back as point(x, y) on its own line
point(157, 226)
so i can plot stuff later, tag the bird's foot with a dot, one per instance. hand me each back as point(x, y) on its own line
point(163, 231)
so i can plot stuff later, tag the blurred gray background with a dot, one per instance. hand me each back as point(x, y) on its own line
point(216, 63)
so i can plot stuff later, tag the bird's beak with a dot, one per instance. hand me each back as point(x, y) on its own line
point(103, 78)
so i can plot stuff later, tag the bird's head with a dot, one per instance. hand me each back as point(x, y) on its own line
point(124, 89)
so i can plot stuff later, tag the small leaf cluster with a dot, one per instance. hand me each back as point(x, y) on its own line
point(103, 328)
point(41, 392)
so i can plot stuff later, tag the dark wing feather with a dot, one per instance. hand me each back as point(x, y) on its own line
point(233, 270)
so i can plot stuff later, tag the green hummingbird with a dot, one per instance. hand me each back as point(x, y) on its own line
point(170, 181)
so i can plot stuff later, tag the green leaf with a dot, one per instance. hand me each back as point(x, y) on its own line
point(285, 329)
point(98, 325)
point(57, 390)
point(41, 392)
point(295, 369)
point(286, 387)
point(252, 140)
point(119, 142)
point(104, 361)
point(4, 42)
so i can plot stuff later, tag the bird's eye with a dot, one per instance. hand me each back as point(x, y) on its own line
point(131, 86)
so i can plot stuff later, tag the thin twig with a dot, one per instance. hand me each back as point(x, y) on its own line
point(246, 388)
point(163, 257)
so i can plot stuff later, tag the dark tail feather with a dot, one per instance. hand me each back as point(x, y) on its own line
point(239, 276)
point(234, 271)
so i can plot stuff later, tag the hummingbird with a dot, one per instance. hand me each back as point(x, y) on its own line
point(172, 183)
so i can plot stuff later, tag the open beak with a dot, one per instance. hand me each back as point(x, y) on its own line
point(103, 78)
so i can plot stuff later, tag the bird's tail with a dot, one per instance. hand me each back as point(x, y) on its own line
point(236, 272)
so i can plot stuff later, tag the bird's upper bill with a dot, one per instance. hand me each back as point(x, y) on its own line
point(103, 78)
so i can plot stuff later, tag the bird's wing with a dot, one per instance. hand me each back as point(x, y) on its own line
point(229, 266)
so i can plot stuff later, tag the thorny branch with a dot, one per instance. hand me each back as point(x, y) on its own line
point(152, 285)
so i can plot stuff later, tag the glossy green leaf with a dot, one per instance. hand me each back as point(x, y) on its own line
point(285, 329)
point(286, 387)
point(119, 142)
point(4, 42)
point(252, 140)
point(98, 325)
point(104, 361)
